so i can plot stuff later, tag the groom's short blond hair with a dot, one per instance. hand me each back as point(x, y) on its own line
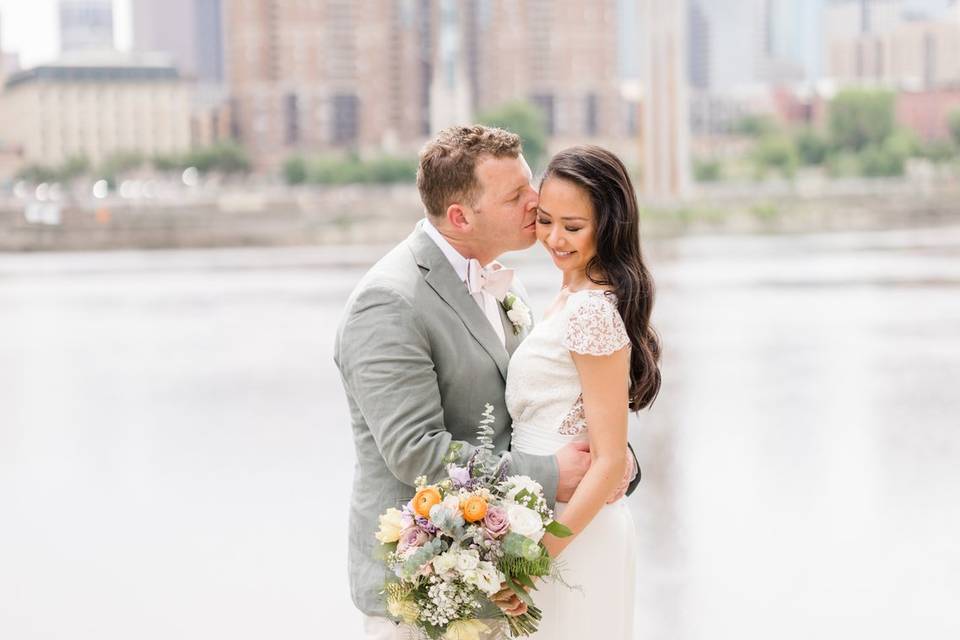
point(447, 171)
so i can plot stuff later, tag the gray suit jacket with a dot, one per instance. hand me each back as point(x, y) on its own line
point(419, 360)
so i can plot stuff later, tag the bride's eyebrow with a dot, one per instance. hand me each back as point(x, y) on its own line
point(546, 213)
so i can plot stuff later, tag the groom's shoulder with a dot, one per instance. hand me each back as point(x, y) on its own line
point(396, 274)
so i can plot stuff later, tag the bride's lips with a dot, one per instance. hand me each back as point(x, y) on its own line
point(560, 255)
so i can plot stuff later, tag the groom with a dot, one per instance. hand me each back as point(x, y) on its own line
point(424, 344)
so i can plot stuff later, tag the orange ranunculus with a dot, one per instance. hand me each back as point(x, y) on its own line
point(474, 508)
point(425, 499)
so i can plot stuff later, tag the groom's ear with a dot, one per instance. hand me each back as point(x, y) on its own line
point(457, 217)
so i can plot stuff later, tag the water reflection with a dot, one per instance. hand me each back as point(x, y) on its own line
point(174, 457)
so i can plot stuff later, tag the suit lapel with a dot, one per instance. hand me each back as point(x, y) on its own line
point(442, 278)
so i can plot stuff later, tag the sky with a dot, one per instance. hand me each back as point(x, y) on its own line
point(29, 27)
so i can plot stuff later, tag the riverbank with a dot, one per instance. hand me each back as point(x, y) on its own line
point(358, 215)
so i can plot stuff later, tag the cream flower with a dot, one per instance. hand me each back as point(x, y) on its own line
point(467, 560)
point(406, 610)
point(485, 577)
point(520, 483)
point(391, 524)
point(525, 522)
point(517, 312)
point(445, 562)
point(465, 630)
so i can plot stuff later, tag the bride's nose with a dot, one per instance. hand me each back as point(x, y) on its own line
point(554, 236)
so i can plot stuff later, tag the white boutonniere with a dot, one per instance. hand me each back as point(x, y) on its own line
point(517, 312)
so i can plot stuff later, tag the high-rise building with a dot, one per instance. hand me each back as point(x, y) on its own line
point(894, 49)
point(665, 132)
point(328, 74)
point(190, 31)
point(86, 25)
point(779, 52)
point(698, 38)
point(387, 74)
point(561, 55)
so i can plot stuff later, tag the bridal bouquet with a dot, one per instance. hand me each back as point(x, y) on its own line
point(458, 541)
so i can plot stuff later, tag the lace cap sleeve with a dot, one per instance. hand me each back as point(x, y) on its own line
point(595, 327)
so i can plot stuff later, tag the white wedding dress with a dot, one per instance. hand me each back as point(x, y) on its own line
point(544, 399)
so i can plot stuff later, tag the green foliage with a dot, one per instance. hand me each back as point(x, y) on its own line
point(558, 529)
point(860, 118)
point(812, 147)
point(295, 170)
point(938, 151)
point(521, 546)
point(224, 157)
point(120, 162)
point(525, 120)
point(169, 162)
point(775, 151)
point(843, 164)
point(953, 121)
point(764, 210)
point(756, 126)
point(74, 167)
point(390, 169)
point(37, 173)
point(337, 169)
point(519, 566)
point(707, 170)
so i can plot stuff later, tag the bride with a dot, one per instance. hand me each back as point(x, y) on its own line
point(593, 358)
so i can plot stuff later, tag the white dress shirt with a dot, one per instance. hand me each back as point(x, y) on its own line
point(488, 303)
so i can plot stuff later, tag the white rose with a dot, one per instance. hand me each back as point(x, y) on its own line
point(525, 522)
point(468, 560)
point(445, 562)
point(519, 316)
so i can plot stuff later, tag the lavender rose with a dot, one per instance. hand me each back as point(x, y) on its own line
point(495, 522)
point(459, 475)
point(411, 539)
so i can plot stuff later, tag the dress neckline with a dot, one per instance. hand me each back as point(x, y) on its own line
point(570, 294)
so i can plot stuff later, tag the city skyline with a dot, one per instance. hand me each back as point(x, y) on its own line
point(31, 30)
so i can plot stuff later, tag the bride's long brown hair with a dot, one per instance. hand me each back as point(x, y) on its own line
point(618, 263)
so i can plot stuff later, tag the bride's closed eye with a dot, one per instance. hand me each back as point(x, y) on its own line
point(546, 221)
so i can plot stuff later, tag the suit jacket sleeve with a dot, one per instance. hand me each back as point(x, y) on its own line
point(386, 363)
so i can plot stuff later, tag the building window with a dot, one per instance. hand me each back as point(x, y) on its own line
point(291, 119)
point(590, 124)
point(544, 101)
point(929, 60)
point(346, 119)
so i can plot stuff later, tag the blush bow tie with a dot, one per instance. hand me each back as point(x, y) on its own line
point(495, 279)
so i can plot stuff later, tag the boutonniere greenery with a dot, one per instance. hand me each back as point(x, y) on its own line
point(517, 312)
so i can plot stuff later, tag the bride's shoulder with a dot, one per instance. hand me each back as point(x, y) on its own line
point(594, 325)
point(591, 299)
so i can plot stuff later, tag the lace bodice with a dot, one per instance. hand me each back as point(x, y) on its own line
point(543, 388)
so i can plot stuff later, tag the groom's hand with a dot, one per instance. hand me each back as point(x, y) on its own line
point(629, 473)
point(573, 460)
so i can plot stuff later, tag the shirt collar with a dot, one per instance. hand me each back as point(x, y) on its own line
point(457, 261)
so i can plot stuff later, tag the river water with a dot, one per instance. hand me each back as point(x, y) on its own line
point(175, 456)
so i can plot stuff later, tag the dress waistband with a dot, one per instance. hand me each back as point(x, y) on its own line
point(534, 440)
